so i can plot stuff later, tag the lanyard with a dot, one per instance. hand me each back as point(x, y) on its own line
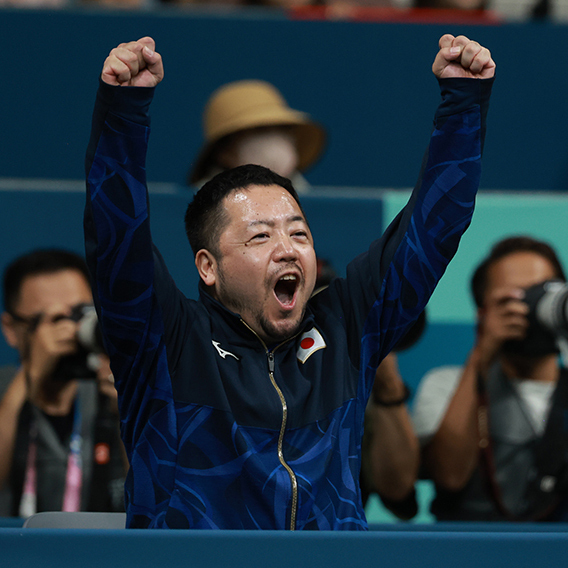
point(73, 475)
point(487, 463)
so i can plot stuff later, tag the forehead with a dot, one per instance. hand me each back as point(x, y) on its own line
point(520, 270)
point(40, 291)
point(261, 203)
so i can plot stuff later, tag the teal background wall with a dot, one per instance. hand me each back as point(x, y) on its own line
point(369, 83)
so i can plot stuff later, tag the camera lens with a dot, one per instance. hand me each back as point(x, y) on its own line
point(552, 307)
point(88, 331)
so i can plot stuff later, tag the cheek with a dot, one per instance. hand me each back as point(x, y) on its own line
point(245, 270)
point(19, 340)
point(311, 265)
point(248, 260)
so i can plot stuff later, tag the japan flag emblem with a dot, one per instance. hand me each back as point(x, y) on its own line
point(310, 342)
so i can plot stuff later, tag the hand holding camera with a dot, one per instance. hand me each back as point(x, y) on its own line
point(50, 337)
point(62, 346)
point(524, 322)
point(502, 318)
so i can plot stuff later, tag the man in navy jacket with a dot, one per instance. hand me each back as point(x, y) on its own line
point(244, 409)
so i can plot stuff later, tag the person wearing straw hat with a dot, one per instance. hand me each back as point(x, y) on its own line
point(250, 122)
point(244, 409)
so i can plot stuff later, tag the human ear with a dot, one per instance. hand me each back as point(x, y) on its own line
point(8, 330)
point(206, 267)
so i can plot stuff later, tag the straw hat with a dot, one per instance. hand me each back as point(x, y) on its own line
point(243, 105)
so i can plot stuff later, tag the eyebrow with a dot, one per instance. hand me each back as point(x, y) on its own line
point(293, 219)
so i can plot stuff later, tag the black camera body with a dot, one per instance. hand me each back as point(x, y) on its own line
point(548, 320)
point(83, 364)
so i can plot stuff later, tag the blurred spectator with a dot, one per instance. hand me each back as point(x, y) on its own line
point(249, 122)
point(126, 4)
point(212, 3)
point(118, 4)
point(452, 4)
point(34, 3)
point(59, 438)
point(541, 10)
point(493, 432)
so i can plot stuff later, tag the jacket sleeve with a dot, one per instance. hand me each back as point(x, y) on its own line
point(131, 286)
point(388, 287)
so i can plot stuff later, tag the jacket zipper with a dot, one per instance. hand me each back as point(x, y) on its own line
point(293, 480)
point(292, 475)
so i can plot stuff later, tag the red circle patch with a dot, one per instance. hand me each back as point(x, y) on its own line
point(102, 453)
point(307, 342)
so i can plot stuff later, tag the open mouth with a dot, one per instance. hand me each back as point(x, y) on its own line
point(285, 290)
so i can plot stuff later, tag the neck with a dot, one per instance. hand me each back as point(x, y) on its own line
point(57, 401)
point(543, 369)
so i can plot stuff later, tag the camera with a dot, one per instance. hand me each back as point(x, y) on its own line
point(83, 364)
point(548, 305)
point(89, 334)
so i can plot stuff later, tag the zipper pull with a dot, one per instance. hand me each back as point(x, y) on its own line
point(271, 362)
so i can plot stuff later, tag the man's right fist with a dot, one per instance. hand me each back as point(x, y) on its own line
point(134, 64)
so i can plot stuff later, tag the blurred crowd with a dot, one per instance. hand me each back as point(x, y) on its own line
point(494, 10)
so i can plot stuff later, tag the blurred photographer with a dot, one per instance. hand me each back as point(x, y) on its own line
point(493, 434)
point(59, 438)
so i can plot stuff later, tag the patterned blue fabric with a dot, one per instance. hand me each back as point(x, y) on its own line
point(439, 218)
point(201, 429)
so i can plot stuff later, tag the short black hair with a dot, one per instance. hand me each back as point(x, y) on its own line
point(505, 247)
point(205, 217)
point(34, 263)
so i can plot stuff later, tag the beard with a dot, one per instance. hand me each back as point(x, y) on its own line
point(277, 334)
point(269, 331)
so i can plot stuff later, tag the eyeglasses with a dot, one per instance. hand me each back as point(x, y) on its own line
point(32, 322)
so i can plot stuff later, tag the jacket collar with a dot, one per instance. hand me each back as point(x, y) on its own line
point(237, 324)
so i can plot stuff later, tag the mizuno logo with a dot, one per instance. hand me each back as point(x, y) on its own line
point(222, 352)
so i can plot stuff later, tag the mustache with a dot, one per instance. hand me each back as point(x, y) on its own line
point(290, 266)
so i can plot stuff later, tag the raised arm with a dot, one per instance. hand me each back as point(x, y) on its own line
point(131, 286)
point(10, 407)
point(402, 268)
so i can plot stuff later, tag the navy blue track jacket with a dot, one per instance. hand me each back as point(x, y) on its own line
point(220, 431)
